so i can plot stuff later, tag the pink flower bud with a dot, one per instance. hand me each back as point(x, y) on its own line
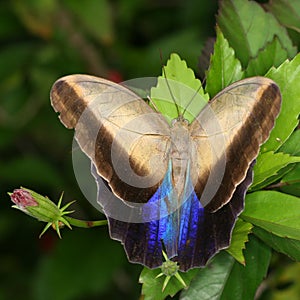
point(41, 208)
point(22, 199)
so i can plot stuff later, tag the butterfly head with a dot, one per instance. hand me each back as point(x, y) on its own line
point(180, 121)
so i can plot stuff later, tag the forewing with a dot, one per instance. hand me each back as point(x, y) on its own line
point(125, 139)
point(227, 135)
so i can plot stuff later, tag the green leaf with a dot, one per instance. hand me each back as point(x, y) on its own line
point(239, 239)
point(289, 247)
point(152, 286)
point(275, 212)
point(272, 55)
point(244, 281)
point(268, 164)
point(287, 12)
point(287, 76)
point(224, 67)
point(248, 29)
point(270, 181)
point(209, 282)
point(292, 180)
point(291, 146)
point(225, 278)
point(180, 86)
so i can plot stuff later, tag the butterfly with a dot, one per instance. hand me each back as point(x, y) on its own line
point(182, 184)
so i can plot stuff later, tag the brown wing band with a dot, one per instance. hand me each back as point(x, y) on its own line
point(252, 134)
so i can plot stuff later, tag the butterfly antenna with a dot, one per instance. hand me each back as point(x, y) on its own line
point(204, 79)
point(170, 90)
point(195, 94)
point(153, 103)
point(161, 57)
point(168, 85)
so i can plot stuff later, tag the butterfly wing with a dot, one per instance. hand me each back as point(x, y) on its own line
point(129, 145)
point(198, 236)
point(227, 135)
point(125, 139)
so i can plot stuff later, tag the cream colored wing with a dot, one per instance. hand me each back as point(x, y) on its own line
point(126, 140)
point(227, 135)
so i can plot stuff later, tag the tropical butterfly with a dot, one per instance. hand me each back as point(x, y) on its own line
point(183, 183)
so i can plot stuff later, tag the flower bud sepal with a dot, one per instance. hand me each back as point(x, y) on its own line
point(41, 208)
point(170, 268)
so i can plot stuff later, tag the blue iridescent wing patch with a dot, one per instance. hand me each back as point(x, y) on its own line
point(201, 234)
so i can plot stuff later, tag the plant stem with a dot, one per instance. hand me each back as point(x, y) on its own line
point(85, 224)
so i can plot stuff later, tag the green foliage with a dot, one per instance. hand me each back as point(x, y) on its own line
point(290, 182)
point(291, 174)
point(285, 245)
point(287, 12)
point(275, 212)
point(152, 286)
point(268, 165)
point(248, 29)
point(240, 237)
point(291, 146)
point(88, 17)
point(68, 274)
point(224, 68)
point(180, 86)
point(209, 283)
point(43, 40)
point(227, 279)
point(272, 55)
point(244, 281)
point(287, 78)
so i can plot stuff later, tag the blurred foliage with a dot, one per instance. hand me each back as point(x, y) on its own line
point(42, 40)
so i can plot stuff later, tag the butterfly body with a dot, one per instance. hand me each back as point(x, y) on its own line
point(183, 184)
point(180, 154)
